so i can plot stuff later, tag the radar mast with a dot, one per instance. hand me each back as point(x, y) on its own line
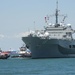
point(56, 14)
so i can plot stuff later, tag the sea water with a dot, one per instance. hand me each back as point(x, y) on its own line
point(28, 66)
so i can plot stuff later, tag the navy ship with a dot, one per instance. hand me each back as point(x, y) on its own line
point(54, 41)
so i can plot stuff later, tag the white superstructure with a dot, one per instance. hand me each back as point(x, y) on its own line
point(54, 31)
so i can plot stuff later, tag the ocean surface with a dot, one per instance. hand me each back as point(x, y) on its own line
point(28, 66)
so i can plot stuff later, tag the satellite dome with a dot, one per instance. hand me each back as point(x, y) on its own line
point(69, 25)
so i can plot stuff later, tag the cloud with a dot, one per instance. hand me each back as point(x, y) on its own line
point(2, 36)
point(21, 34)
point(18, 35)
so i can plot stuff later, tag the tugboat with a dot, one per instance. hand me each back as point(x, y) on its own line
point(24, 52)
point(54, 41)
point(4, 54)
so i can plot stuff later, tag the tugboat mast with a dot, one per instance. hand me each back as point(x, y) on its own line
point(56, 14)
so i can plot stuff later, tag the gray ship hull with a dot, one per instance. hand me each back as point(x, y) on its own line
point(50, 48)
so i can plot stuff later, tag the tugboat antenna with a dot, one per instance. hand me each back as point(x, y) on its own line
point(56, 14)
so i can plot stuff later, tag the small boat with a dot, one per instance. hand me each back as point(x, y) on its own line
point(24, 52)
point(4, 54)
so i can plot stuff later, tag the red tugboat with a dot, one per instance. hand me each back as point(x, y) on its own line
point(4, 54)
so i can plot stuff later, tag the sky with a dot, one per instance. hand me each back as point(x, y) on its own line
point(18, 16)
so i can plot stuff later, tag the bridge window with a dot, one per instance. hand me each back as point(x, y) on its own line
point(73, 46)
point(70, 46)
